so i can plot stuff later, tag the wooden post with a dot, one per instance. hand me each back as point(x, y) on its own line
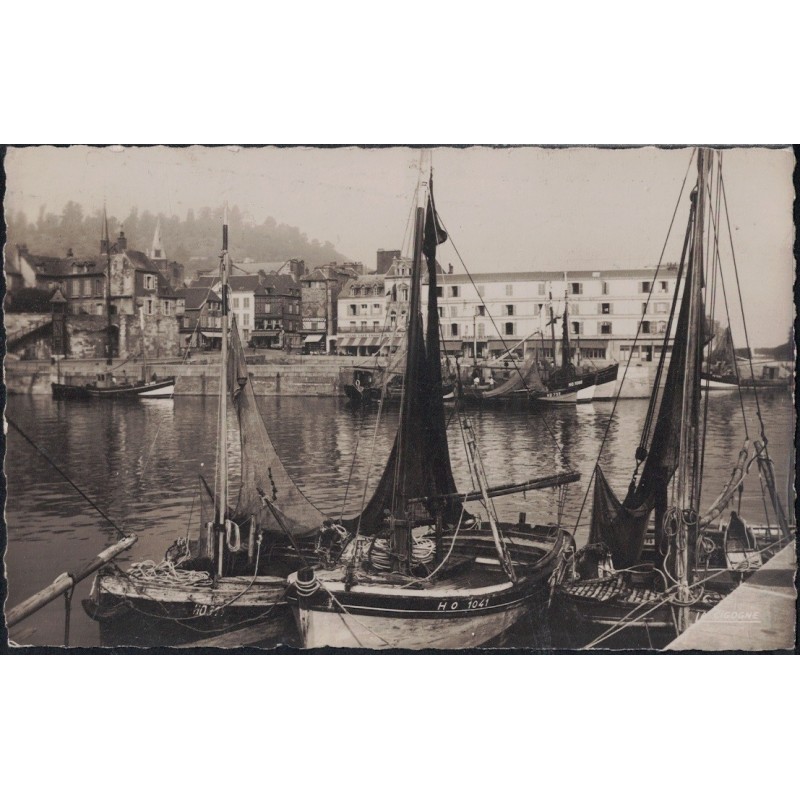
point(65, 582)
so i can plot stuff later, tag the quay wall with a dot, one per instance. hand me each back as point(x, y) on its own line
point(288, 376)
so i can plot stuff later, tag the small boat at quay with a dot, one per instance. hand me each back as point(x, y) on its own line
point(106, 387)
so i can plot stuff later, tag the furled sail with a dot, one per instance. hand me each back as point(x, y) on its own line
point(262, 470)
point(622, 525)
point(419, 464)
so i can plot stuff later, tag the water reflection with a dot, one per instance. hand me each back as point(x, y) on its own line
point(140, 462)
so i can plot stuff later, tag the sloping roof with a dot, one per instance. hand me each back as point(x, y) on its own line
point(197, 296)
point(244, 283)
point(363, 281)
point(254, 267)
point(204, 281)
point(59, 267)
point(140, 261)
point(280, 284)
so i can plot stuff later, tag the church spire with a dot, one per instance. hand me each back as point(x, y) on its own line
point(157, 250)
point(104, 239)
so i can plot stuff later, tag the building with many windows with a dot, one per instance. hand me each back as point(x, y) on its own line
point(486, 314)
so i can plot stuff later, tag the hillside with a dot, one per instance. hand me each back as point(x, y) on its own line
point(193, 241)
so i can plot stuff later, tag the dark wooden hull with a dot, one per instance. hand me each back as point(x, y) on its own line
point(155, 389)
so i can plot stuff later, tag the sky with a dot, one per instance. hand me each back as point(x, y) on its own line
point(515, 209)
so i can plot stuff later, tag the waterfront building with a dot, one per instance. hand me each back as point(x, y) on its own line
point(277, 312)
point(201, 322)
point(319, 292)
point(486, 314)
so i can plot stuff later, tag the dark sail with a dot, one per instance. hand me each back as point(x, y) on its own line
point(622, 525)
point(419, 464)
point(261, 468)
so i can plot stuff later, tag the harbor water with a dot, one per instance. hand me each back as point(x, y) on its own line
point(140, 463)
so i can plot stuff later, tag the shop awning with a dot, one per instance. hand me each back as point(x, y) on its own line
point(314, 337)
point(211, 334)
point(452, 347)
point(363, 340)
point(264, 335)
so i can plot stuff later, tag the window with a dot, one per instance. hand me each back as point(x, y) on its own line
point(645, 287)
point(74, 289)
point(356, 291)
point(604, 287)
point(149, 306)
point(167, 307)
point(376, 308)
point(236, 302)
point(439, 291)
point(352, 310)
point(98, 286)
point(662, 326)
point(663, 287)
point(377, 291)
point(404, 294)
point(149, 282)
point(364, 307)
point(454, 291)
point(454, 329)
point(577, 327)
point(363, 324)
point(267, 308)
point(540, 288)
point(605, 308)
point(481, 331)
point(604, 328)
point(662, 308)
point(98, 309)
point(646, 326)
point(245, 302)
point(509, 311)
point(245, 320)
point(509, 328)
point(593, 352)
point(576, 288)
point(481, 291)
point(376, 326)
point(573, 309)
point(509, 290)
point(480, 311)
point(352, 324)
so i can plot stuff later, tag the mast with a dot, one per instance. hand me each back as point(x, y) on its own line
point(688, 474)
point(222, 464)
point(565, 354)
point(105, 246)
point(552, 326)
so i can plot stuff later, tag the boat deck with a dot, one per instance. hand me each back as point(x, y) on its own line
point(761, 614)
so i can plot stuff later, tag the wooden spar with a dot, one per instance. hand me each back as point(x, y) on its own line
point(477, 469)
point(687, 462)
point(765, 466)
point(222, 465)
point(508, 488)
point(65, 582)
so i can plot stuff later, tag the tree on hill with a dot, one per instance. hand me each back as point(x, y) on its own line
point(197, 236)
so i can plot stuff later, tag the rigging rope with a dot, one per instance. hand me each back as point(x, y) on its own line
point(64, 475)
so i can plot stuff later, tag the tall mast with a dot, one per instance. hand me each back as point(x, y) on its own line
point(105, 247)
point(565, 354)
point(553, 326)
point(222, 466)
point(687, 467)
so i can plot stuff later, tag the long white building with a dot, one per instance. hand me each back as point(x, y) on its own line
point(491, 312)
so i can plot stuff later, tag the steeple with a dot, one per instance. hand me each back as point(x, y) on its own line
point(157, 250)
point(104, 238)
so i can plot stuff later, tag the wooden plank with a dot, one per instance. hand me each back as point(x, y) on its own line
point(758, 615)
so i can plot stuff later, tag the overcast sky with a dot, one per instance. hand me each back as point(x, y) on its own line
point(505, 209)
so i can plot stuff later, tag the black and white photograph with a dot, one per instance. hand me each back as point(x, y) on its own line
point(406, 398)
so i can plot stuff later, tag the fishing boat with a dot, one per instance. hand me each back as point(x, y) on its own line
point(227, 585)
point(637, 585)
point(107, 387)
point(568, 383)
point(418, 570)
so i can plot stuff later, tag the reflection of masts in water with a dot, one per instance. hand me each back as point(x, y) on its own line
point(476, 466)
point(553, 328)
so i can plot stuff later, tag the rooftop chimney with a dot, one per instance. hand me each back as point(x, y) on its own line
point(122, 242)
point(70, 253)
point(449, 269)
